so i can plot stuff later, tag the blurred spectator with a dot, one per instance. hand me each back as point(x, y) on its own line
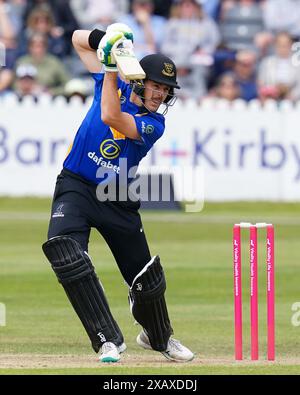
point(245, 74)
point(41, 20)
point(212, 8)
point(241, 22)
point(64, 20)
point(16, 10)
point(148, 29)
point(278, 78)
point(224, 61)
point(161, 7)
point(190, 39)
point(51, 72)
point(26, 82)
point(76, 88)
point(283, 15)
point(90, 15)
point(6, 79)
point(226, 88)
point(7, 46)
point(251, 33)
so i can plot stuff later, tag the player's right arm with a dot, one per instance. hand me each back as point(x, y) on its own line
point(80, 40)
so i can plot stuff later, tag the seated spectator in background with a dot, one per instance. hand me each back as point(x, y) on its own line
point(51, 72)
point(245, 74)
point(41, 20)
point(190, 40)
point(161, 7)
point(241, 22)
point(278, 78)
point(31, 4)
point(76, 88)
point(283, 15)
point(15, 10)
point(7, 46)
point(6, 79)
point(90, 15)
point(224, 61)
point(212, 8)
point(64, 20)
point(26, 82)
point(148, 29)
point(226, 88)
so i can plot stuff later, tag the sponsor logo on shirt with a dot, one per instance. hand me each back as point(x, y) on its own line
point(148, 129)
point(101, 162)
point(109, 149)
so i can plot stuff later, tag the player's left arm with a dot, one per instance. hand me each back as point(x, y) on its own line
point(111, 113)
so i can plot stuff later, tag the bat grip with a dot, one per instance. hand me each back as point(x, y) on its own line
point(126, 43)
point(117, 44)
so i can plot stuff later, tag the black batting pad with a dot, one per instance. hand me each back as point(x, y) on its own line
point(149, 305)
point(76, 273)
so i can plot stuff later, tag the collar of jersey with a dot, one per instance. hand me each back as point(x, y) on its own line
point(138, 110)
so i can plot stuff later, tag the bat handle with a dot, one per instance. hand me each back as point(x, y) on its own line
point(122, 43)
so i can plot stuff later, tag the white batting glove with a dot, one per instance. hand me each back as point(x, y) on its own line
point(121, 27)
point(104, 53)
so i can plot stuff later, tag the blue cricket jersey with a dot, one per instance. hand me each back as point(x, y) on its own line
point(98, 146)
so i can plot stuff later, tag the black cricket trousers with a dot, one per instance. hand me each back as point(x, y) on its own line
point(76, 209)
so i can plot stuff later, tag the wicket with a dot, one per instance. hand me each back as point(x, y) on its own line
point(237, 263)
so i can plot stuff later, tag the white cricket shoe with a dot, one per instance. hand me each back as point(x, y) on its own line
point(175, 350)
point(110, 352)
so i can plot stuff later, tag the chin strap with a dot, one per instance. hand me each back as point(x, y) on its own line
point(138, 88)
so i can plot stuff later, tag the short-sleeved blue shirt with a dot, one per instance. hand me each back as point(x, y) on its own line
point(98, 146)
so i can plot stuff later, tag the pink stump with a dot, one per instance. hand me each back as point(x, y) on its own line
point(270, 293)
point(253, 293)
point(237, 292)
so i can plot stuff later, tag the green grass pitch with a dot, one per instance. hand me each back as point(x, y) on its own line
point(43, 335)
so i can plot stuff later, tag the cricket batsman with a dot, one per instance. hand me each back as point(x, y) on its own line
point(120, 128)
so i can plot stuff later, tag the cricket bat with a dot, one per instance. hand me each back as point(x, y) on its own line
point(127, 63)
